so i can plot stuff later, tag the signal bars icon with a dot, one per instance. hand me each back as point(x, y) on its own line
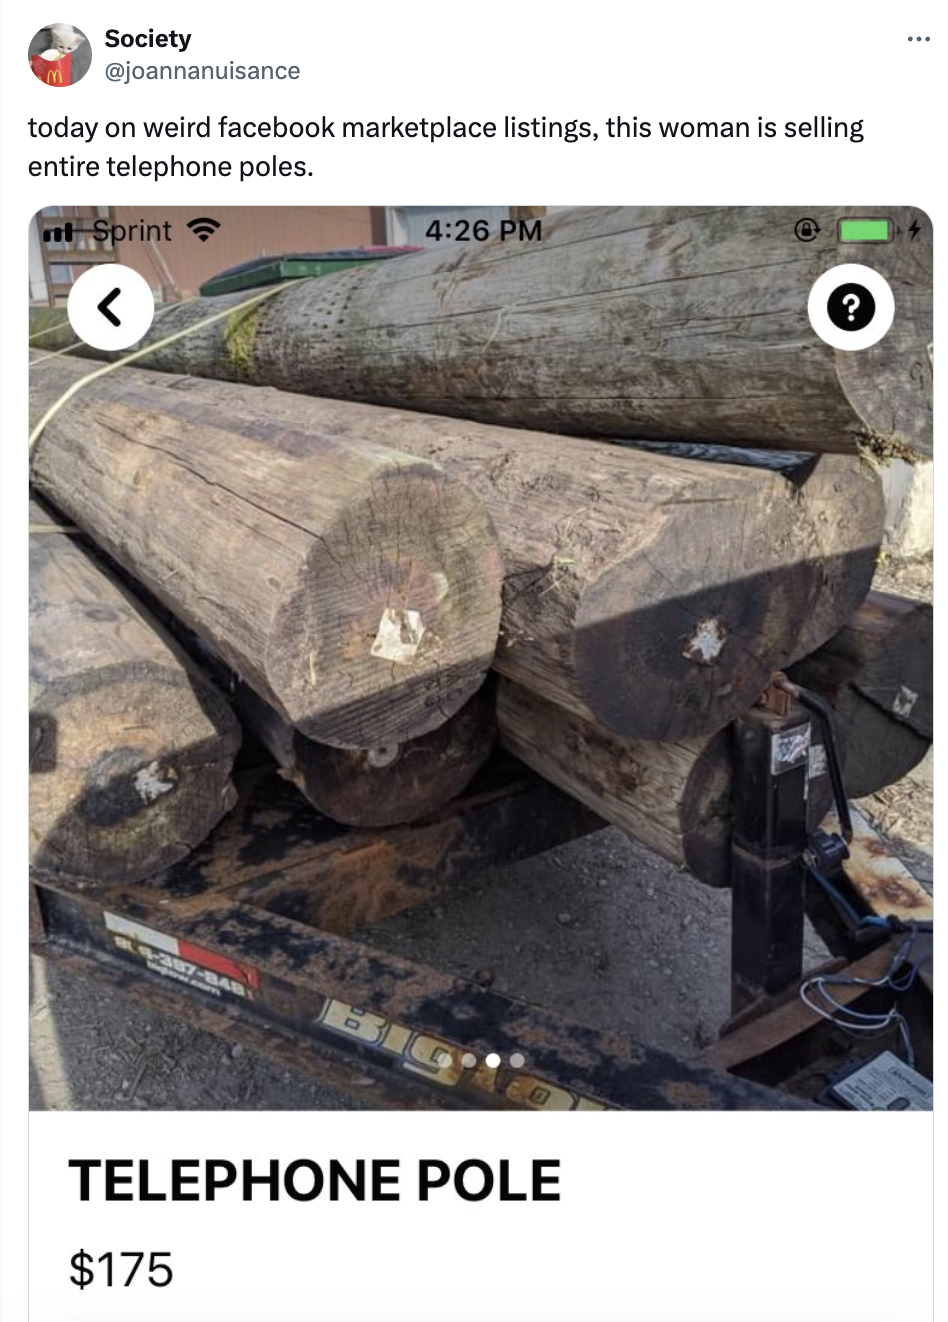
point(59, 233)
point(203, 227)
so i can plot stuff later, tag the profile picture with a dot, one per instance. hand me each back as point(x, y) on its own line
point(60, 55)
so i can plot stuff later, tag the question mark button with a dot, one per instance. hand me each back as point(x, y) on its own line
point(851, 307)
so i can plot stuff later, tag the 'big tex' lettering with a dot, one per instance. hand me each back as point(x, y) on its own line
point(442, 1062)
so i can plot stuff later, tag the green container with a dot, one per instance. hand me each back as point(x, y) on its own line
point(294, 266)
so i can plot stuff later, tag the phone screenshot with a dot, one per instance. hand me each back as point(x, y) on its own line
point(480, 671)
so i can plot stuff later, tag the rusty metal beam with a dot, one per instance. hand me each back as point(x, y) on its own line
point(881, 880)
point(360, 877)
point(792, 1017)
point(276, 852)
point(399, 1015)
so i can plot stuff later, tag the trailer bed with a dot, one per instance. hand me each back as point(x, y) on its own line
point(251, 938)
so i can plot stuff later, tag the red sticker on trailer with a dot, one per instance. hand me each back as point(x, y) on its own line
point(220, 964)
point(182, 961)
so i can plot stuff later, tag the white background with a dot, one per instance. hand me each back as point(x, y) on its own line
point(663, 1217)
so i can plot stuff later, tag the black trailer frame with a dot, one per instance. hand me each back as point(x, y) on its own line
point(250, 938)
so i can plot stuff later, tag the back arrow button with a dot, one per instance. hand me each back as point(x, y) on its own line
point(105, 306)
point(111, 306)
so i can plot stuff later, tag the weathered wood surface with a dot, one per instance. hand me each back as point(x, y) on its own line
point(131, 748)
point(357, 589)
point(674, 797)
point(388, 785)
point(655, 593)
point(843, 499)
point(877, 673)
point(662, 322)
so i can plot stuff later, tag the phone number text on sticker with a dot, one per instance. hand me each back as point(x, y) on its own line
point(182, 961)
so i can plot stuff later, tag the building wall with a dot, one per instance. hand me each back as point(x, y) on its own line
point(39, 289)
point(245, 232)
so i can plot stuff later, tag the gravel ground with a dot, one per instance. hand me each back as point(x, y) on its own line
point(599, 929)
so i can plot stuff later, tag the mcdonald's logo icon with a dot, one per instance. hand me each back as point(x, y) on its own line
point(53, 68)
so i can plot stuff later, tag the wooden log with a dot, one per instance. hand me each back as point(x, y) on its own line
point(355, 588)
point(673, 797)
point(662, 322)
point(843, 499)
point(388, 785)
point(654, 593)
point(877, 674)
point(885, 651)
point(131, 748)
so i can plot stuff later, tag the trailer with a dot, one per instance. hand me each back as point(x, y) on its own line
point(251, 938)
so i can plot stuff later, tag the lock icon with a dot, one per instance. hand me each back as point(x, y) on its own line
point(806, 229)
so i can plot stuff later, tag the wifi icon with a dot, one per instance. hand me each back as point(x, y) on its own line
point(203, 227)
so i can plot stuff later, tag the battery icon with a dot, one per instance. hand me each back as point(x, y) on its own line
point(866, 229)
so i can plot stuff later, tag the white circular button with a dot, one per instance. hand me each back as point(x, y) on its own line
point(851, 306)
point(111, 306)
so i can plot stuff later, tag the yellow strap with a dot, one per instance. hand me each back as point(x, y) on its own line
point(35, 362)
point(48, 330)
point(76, 386)
point(38, 362)
point(52, 527)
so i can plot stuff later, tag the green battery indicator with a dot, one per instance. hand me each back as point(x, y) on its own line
point(866, 229)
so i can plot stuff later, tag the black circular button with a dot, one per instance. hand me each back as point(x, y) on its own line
point(851, 307)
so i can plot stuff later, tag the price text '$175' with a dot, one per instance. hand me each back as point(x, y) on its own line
point(120, 1269)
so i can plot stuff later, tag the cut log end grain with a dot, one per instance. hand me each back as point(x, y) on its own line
point(876, 750)
point(887, 649)
point(130, 748)
point(395, 620)
point(389, 784)
point(683, 633)
point(840, 497)
point(127, 774)
point(877, 674)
